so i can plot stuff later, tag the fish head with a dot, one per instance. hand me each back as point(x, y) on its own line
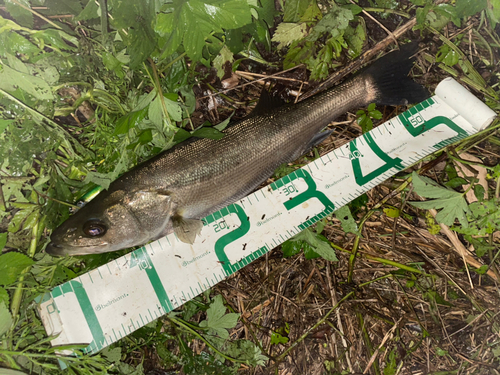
point(117, 220)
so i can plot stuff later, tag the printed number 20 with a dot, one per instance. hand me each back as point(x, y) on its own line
point(220, 226)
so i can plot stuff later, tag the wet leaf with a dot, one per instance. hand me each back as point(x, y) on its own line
point(5, 318)
point(11, 265)
point(21, 15)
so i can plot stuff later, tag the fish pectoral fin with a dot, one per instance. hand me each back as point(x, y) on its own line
point(318, 138)
point(186, 230)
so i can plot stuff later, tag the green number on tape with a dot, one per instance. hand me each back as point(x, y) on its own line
point(356, 165)
point(141, 259)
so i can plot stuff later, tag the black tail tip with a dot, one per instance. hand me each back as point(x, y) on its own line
point(391, 81)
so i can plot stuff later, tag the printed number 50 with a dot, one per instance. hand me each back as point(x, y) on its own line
point(416, 120)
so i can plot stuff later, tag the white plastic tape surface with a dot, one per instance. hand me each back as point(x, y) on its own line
point(108, 303)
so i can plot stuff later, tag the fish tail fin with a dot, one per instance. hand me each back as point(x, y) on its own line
point(389, 76)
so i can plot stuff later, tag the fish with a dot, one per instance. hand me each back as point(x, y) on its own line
point(175, 189)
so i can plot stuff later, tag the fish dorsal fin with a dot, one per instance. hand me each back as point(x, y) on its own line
point(266, 103)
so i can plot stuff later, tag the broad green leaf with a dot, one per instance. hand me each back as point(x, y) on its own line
point(467, 8)
point(246, 351)
point(17, 221)
point(355, 39)
point(451, 203)
point(222, 125)
point(21, 15)
point(317, 242)
point(191, 22)
point(217, 320)
point(4, 296)
point(347, 221)
point(130, 120)
point(286, 33)
point(90, 11)
point(312, 13)
point(5, 319)
point(225, 55)
point(334, 22)
point(13, 44)
point(3, 240)
point(11, 265)
point(136, 18)
point(57, 38)
point(174, 109)
point(295, 9)
point(113, 355)
point(11, 80)
point(155, 113)
point(493, 12)
point(211, 133)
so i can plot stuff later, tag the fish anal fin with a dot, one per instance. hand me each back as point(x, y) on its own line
point(186, 230)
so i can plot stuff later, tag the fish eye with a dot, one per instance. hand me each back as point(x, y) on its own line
point(94, 228)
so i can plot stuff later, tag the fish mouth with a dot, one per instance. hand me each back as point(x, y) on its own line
point(55, 249)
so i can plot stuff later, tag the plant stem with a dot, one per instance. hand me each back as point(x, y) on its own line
point(18, 293)
point(385, 10)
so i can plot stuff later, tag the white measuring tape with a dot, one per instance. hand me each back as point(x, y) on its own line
point(108, 303)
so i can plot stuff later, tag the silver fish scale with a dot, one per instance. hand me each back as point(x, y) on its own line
point(206, 175)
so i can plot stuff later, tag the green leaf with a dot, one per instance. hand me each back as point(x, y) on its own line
point(174, 109)
point(3, 240)
point(225, 55)
point(11, 265)
point(211, 133)
point(192, 22)
point(452, 204)
point(312, 13)
point(277, 339)
point(136, 17)
point(347, 221)
point(447, 55)
point(113, 355)
point(4, 296)
point(286, 33)
point(295, 9)
point(11, 80)
point(467, 8)
point(355, 39)
point(222, 125)
point(291, 248)
point(334, 22)
point(317, 242)
point(246, 352)
point(17, 221)
point(5, 319)
point(21, 15)
point(91, 11)
point(217, 320)
point(130, 120)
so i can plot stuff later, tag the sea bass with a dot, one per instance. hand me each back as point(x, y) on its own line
point(174, 190)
